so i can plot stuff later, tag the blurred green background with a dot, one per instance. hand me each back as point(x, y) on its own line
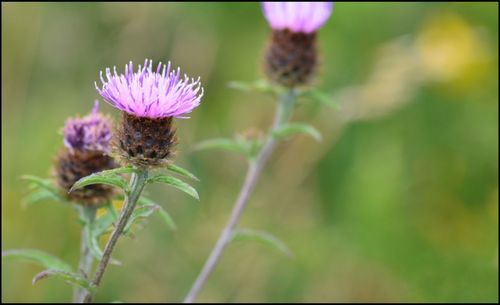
point(399, 202)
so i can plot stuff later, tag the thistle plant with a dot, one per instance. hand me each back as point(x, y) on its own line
point(290, 64)
point(88, 177)
point(145, 138)
point(86, 151)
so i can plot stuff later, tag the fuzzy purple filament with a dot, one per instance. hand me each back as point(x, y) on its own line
point(152, 94)
point(299, 17)
point(90, 133)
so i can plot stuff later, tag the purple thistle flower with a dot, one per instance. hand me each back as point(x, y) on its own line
point(298, 17)
point(151, 94)
point(90, 133)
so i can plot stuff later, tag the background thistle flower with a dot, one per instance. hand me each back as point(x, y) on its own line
point(291, 56)
point(149, 101)
point(87, 144)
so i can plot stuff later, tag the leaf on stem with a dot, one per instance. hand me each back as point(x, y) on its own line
point(41, 189)
point(40, 257)
point(260, 85)
point(110, 177)
point(37, 195)
point(249, 147)
point(177, 183)
point(222, 144)
point(139, 213)
point(169, 221)
point(295, 128)
point(320, 97)
point(181, 171)
point(262, 237)
point(96, 229)
point(68, 277)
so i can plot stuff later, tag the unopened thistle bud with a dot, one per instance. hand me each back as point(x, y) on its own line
point(291, 56)
point(87, 144)
point(149, 101)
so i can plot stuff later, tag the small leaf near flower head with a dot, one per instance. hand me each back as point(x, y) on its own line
point(295, 128)
point(247, 147)
point(140, 213)
point(38, 195)
point(169, 221)
point(260, 85)
point(221, 143)
point(40, 257)
point(182, 171)
point(95, 230)
point(37, 185)
point(183, 186)
point(320, 97)
point(263, 237)
point(68, 277)
point(110, 177)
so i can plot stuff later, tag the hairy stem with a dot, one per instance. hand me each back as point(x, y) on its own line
point(283, 113)
point(137, 183)
point(86, 258)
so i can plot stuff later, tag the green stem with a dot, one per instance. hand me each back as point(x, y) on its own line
point(137, 183)
point(283, 113)
point(86, 258)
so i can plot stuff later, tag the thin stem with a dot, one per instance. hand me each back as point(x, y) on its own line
point(137, 183)
point(86, 258)
point(283, 113)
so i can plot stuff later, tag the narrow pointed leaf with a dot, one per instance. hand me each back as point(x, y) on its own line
point(46, 260)
point(296, 128)
point(46, 184)
point(259, 85)
point(179, 184)
point(167, 218)
point(321, 97)
point(221, 144)
point(99, 227)
point(109, 179)
point(263, 237)
point(68, 277)
point(39, 194)
point(139, 213)
point(169, 221)
point(182, 171)
point(117, 171)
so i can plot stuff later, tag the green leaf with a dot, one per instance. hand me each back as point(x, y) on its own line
point(112, 179)
point(102, 224)
point(182, 171)
point(117, 171)
point(38, 183)
point(111, 210)
point(40, 257)
point(263, 237)
point(321, 97)
point(94, 230)
point(169, 221)
point(179, 184)
point(223, 144)
point(295, 128)
point(69, 277)
point(37, 195)
point(140, 212)
point(259, 85)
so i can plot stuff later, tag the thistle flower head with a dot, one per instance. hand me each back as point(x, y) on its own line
point(151, 94)
point(90, 133)
point(87, 142)
point(298, 17)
